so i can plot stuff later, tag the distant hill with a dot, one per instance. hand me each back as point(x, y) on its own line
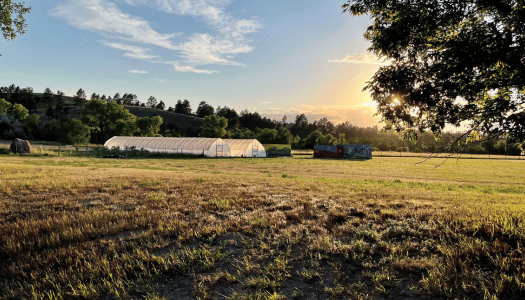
point(178, 121)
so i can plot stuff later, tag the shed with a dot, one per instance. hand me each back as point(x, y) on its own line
point(210, 147)
point(245, 148)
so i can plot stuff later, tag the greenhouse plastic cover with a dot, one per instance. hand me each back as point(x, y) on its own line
point(206, 146)
point(246, 147)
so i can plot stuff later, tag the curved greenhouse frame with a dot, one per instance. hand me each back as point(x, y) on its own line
point(245, 148)
point(210, 147)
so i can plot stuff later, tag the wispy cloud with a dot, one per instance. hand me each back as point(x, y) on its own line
point(180, 68)
point(132, 51)
point(204, 49)
point(265, 102)
point(363, 58)
point(212, 12)
point(159, 80)
point(221, 45)
point(106, 18)
point(138, 72)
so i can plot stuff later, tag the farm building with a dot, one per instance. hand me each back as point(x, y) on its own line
point(210, 147)
point(343, 151)
point(245, 148)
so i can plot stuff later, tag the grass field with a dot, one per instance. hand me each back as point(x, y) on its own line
point(280, 228)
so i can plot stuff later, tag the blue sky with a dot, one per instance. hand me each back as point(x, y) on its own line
point(275, 57)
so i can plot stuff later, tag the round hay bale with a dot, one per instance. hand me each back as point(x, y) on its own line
point(20, 146)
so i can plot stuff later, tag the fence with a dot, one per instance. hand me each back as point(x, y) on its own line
point(42, 146)
point(423, 155)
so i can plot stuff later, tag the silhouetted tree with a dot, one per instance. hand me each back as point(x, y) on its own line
point(204, 110)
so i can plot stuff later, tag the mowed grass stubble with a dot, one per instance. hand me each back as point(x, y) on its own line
point(278, 228)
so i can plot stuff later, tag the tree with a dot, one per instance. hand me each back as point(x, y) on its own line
point(179, 108)
point(129, 99)
point(204, 109)
point(5, 106)
point(19, 112)
point(452, 62)
point(47, 96)
point(148, 126)
point(161, 105)
point(242, 134)
point(214, 127)
point(107, 119)
point(50, 112)
point(80, 97)
point(11, 27)
point(311, 140)
point(186, 107)
point(94, 96)
point(117, 98)
point(268, 136)
point(285, 136)
point(301, 121)
point(326, 139)
point(228, 113)
point(73, 131)
point(341, 139)
point(31, 124)
point(254, 120)
point(152, 102)
point(60, 98)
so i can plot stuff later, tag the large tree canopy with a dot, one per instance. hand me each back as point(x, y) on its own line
point(11, 27)
point(108, 119)
point(452, 61)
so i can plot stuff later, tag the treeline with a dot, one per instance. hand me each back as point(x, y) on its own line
point(105, 116)
point(99, 121)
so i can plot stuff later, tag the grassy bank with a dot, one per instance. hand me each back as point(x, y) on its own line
point(277, 228)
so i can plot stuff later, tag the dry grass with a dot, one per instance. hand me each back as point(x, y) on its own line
point(84, 228)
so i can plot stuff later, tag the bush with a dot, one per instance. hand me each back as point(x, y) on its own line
point(275, 152)
point(133, 152)
point(10, 128)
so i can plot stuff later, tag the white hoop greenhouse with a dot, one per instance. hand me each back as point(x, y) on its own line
point(210, 147)
point(245, 148)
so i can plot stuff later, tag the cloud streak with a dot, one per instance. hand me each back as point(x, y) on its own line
point(138, 72)
point(132, 51)
point(179, 68)
point(363, 58)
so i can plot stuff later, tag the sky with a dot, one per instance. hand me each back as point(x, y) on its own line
point(271, 56)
